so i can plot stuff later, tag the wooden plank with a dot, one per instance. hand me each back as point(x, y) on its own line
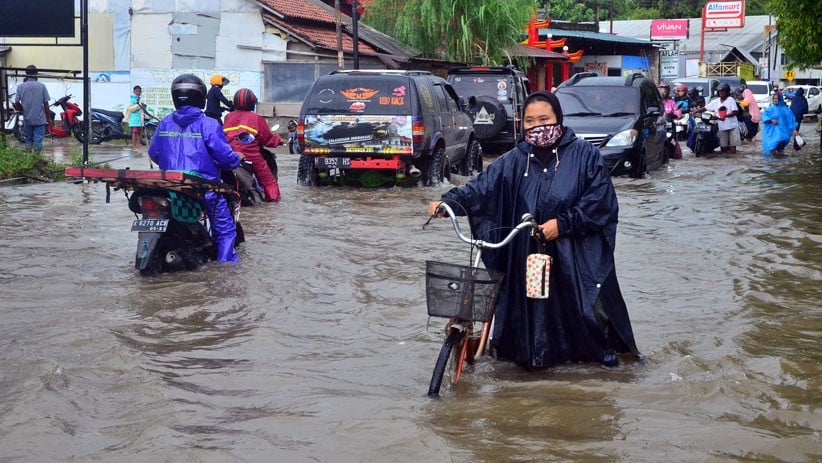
point(131, 179)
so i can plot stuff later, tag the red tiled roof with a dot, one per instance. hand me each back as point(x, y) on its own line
point(299, 9)
point(321, 36)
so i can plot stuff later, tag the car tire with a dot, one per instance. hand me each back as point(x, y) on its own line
point(306, 172)
point(438, 169)
point(495, 110)
point(472, 162)
point(639, 167)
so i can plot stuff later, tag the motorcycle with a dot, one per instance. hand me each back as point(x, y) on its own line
point(672, 148)
point(174, 231)
point(14, 120)
point(70, 116)
point(705, 134)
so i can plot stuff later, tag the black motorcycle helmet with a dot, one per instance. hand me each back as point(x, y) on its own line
point(245, 99)
point(724, 87)
point(188, 90)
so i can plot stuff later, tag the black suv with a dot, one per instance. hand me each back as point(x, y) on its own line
point(622, 116)
point(495, 95)
point(378, 126)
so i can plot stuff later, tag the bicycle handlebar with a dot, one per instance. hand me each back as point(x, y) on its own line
point(527, 221)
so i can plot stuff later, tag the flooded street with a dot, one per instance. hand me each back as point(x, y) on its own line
point(317, 347)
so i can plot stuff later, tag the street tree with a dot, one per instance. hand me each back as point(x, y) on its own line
point(800, 32)
point(468, 31)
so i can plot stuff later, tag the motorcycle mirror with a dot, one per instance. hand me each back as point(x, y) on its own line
point(275, 127)
point(246, 138)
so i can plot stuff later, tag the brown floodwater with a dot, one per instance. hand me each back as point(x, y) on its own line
point(317, 346)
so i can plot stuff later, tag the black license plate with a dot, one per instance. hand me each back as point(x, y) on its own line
point(333, 163)
point(149, 225)
point(702, 128)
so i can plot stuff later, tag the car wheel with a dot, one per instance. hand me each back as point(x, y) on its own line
point(489, 117)
point(639, 167)
point(306, 172)
point(438, 168)
point(472, 162)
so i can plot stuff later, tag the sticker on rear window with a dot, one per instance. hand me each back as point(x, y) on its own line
point(359, 93)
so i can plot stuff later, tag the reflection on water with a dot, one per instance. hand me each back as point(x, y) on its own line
point(317, 347)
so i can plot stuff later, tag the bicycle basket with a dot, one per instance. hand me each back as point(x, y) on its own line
point(457, 291)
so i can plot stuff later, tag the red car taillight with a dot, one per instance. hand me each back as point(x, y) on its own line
point(152, 206)
point(301, 132)
point(417, 132)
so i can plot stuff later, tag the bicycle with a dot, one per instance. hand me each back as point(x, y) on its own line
point(466, 295)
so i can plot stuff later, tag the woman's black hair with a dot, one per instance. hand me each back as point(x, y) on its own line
point(547, 97)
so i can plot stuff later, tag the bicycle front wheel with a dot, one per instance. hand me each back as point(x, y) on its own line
point(448, 360)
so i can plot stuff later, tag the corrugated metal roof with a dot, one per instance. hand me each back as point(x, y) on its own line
point(589, 35)
point(748, 38)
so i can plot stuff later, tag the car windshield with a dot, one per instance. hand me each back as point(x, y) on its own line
point(599, 101)
point(500, 87)
point(361, 94)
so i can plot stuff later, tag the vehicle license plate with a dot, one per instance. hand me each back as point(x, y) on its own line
point(149, 225)
point(333, 163)
point(702, 128)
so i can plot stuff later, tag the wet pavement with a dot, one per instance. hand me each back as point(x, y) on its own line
point(317, 347)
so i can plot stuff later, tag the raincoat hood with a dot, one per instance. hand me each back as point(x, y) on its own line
point(187, 115)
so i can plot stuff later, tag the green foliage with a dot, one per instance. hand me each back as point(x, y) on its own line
point(468, 31)
point(15, 162)
point(800, 31)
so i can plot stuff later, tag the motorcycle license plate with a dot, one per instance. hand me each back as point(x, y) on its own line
point(333, 163)
point(149, 225)
point(703, 128)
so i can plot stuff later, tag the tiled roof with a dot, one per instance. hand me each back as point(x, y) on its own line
point(320, 36)
point(299, 9)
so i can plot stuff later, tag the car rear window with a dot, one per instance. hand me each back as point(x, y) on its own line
point(500, 87)
point(759, 89)
point(598, 101)
point(360, 94)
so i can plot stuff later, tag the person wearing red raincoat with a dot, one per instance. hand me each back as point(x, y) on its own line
point(244, 120)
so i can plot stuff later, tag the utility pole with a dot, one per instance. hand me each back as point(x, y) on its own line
point(337, 24)
point(355, 19)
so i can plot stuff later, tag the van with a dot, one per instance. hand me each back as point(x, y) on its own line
point(761, 91)
point(384, 126)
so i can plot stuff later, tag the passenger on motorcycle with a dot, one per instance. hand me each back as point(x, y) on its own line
point(681, 97)
point(292, 137)
point(244, 120)
point(672, 111)
point(188, 140)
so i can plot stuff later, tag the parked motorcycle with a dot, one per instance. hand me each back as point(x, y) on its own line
point(70, 116)
point(705, 134)
point(174, 231)
point(14, 119)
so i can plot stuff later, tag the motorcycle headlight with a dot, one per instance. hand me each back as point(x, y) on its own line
point(624, 138)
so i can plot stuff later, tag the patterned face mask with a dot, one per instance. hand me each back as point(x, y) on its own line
point(544, 136)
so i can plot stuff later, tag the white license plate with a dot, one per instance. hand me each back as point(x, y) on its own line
point(149, 225)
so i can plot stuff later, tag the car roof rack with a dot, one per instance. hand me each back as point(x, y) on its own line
point(403, 72)
point(630, 78)
point(577, 77)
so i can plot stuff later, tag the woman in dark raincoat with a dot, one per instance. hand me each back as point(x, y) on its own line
point(561, 180)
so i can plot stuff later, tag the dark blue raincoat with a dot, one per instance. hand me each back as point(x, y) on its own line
point(188, 140)
point(585, 318)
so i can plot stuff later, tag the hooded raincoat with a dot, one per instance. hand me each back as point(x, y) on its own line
point(238, 122)
point(585, 318)
point(778, 123)
point(188, 140)
point(799, 105)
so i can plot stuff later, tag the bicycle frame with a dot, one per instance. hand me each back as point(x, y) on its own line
point(464, 327)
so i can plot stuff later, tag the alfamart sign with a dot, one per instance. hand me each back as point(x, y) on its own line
point(723, 14)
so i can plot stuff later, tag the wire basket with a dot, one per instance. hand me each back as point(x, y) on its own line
point(457, 291)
